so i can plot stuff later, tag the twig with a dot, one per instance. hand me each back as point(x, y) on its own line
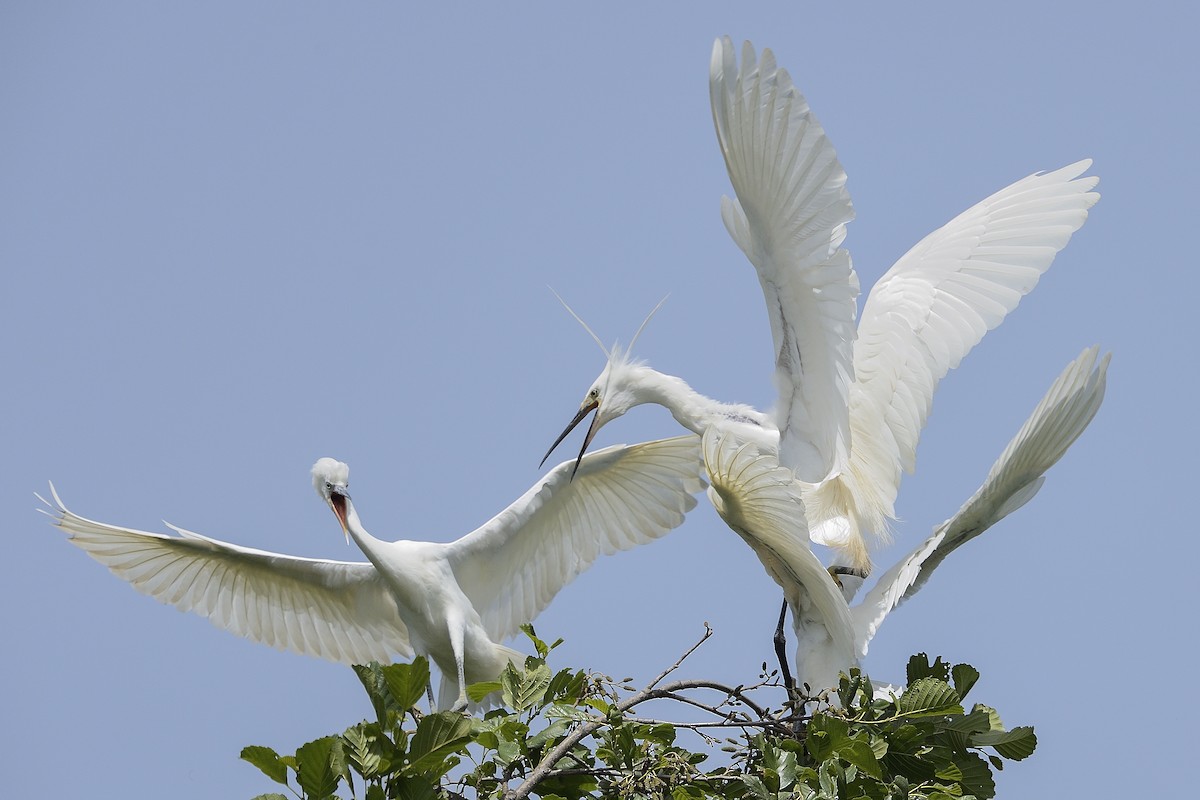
point(583, 731)
point(707, 633)
point(745, 723)
point(676, 686)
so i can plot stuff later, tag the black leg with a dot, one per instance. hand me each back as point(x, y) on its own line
point(781, 652)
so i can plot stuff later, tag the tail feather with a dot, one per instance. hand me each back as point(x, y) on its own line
point(835, 520)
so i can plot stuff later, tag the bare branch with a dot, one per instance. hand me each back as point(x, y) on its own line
point(588, 728)
point(708, 632)
point(737, 692)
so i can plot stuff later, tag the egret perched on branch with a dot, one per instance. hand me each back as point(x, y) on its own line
point(849, 410)
point(453, 602)
point(756, 497)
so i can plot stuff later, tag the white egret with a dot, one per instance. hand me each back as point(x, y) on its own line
point(850, 410)
point(453, 602)
point(757, 498)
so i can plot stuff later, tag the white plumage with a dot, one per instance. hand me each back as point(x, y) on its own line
point(1055, 423)
point(760, 501)
point(753, 494)
point(851, 402)
point(920, 320)
point(453, 602)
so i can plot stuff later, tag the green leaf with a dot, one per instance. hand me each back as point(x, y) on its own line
point(337, 762)
point(542, 648)
point(860, 754)
point(905, 739)
point(510, 685)
point(567, 686)
point(928, 697)
point(956, 795)
point(948, 770)
point(827, 775)
point(993, 716)
point(836, 727)
point(975, 722)
point(478, 691)
point(387, 710)
point(317, 767)
point(364, 751)
point(782, 762)
point(855, 689)
point(508, 750)
point(1017, 744)
point(819, 746)
point(437, 736)
point(522, 692)
point(911, 766)
point(475, 692)
point(560, 710)
point(663, 733)
point(879, 746)
point(756, 787)
point(976, 776)
point(407, 682)
point(268, 761)
point(965, 676)
point(270, 796)
point(572, 786)
point(548, 734)
point(919, 667)
point(371, 677)
point(414, 787)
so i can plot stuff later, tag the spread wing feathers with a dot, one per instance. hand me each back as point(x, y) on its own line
point(1057, 421)
point(789, 219)
point(932, 307)
point(336, 610)
point(622, 496)
point(761, 502)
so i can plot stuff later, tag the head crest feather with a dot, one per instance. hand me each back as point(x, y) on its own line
point(615, 353)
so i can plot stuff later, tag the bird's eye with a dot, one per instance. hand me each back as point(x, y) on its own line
point(328, 486)
point(594, 393)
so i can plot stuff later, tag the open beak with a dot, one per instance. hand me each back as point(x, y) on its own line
point(337, 501)
point(584, 410)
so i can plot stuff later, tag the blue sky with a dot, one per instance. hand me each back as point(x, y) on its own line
point(238, 237)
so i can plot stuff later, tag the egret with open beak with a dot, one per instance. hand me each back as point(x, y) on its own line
point(589, 404)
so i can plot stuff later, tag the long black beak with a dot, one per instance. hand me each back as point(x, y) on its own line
point(584, 410)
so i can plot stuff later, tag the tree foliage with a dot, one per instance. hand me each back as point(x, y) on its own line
point(567, 734)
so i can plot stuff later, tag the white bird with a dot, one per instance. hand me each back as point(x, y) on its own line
point(850, 410)
point(452, 602)
point(756, 497)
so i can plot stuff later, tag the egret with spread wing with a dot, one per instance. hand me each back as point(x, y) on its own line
point(852, 403)
point(453, 602)
point(756, 497)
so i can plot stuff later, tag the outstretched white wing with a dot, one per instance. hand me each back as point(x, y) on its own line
point(1061, 416)
point(334, 610)
point(789, 219)
point(935, 304)
point(761, 502)
point(622, 496)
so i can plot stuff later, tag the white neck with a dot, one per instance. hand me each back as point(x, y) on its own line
point(365, 541)
point(691, 409)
